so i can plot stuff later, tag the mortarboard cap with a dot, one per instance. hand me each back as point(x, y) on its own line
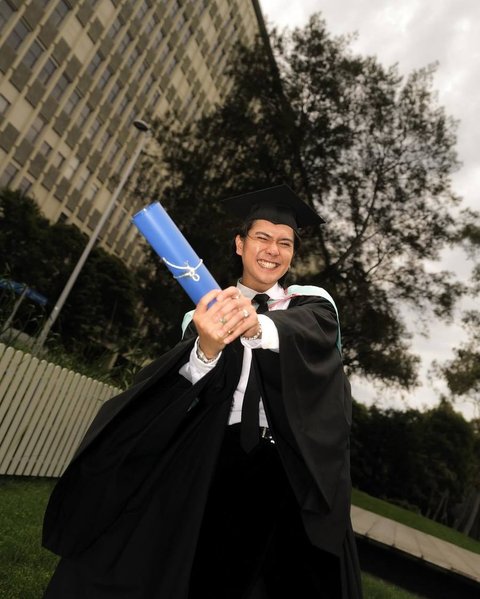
point(279, 205)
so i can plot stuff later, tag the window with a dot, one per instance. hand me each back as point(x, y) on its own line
point(4, 104)
point(112, 96)
point(8, 175)
point(132, 116)
point(18, 34)
point(83, 116)
point(171, 66)
point(142, 11)
point(218, 57)
point(71, 167)
point(94, 64)
point(94, 127)
point(72, 102)
point(104, 141)
point(180, 22)
point(186, 35)
point(174, 9)
point(123, 104)
point(58, 160)
point(92, 191)
point(33, 54)
point(45, 149)
point(122, 162)
point(6, 11)
point(93, 220)
point(149, 83)
point(35, 130)
point(141, 71)
point(82, 179)
point(165, 51)
point(83, 210)
point(113, 152)
point(47, 71)
point(105, 78)
point(63, 218)
point(123, 45)
point(133, 57)
point(60, 86)
point(155, 99)
point(149, 27)
point(158, 38)
point(193, 106)
point(59, 12)
point(115, 28)
point(25, 185)
point(188, 99)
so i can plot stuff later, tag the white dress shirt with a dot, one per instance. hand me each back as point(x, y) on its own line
point(195, 369)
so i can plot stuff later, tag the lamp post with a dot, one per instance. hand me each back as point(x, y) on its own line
point(143, 127)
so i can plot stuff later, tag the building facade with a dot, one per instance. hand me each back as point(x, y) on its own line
point(75, 74)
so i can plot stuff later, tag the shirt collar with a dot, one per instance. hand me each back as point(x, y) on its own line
point(276, 292)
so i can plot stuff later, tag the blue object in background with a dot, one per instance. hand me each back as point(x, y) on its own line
point(169, 243)
point(19, 288)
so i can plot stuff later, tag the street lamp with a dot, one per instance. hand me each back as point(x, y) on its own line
point(144, 128)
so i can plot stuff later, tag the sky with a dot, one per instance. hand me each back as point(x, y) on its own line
point(413, 34)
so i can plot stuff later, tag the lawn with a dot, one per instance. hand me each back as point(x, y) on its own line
point(394, 512)
point(25, 567)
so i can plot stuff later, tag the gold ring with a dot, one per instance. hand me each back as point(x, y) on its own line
point(223, 320)
point(246, 313)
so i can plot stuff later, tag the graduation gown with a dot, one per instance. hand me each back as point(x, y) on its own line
point(126, 514)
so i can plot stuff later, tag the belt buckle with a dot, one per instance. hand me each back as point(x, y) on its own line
point(265, 434)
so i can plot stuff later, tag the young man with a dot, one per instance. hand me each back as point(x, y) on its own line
point(224, 471)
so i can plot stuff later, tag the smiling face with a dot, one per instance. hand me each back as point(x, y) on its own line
point(266, 251)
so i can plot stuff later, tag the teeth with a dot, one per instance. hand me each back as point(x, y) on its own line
point(266, 264)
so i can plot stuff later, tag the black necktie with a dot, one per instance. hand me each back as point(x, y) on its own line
point(250, 427)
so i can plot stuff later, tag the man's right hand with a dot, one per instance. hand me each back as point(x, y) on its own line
point(228, 318)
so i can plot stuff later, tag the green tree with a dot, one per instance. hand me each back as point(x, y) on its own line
point(450, 460)
point(385, 454)
point(23, 237)
point(426, 461)
point(102, 308)
point(371, 150)
point(462, 372)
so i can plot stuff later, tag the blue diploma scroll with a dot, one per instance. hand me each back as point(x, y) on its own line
point(169, 243)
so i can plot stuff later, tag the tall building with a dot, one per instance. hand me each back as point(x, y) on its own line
point(75, 74)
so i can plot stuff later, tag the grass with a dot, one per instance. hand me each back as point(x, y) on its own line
point(375, 588)
point(399, 514)
point(25, 567)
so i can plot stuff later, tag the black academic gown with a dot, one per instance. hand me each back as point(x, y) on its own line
point(126, 514)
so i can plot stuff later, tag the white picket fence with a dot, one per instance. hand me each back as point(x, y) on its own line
point(44, 412)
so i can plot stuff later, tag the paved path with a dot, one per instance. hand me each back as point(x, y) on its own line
point(418, 544)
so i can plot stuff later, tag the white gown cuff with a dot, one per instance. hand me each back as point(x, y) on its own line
point(195, 369)
point(269, 339)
